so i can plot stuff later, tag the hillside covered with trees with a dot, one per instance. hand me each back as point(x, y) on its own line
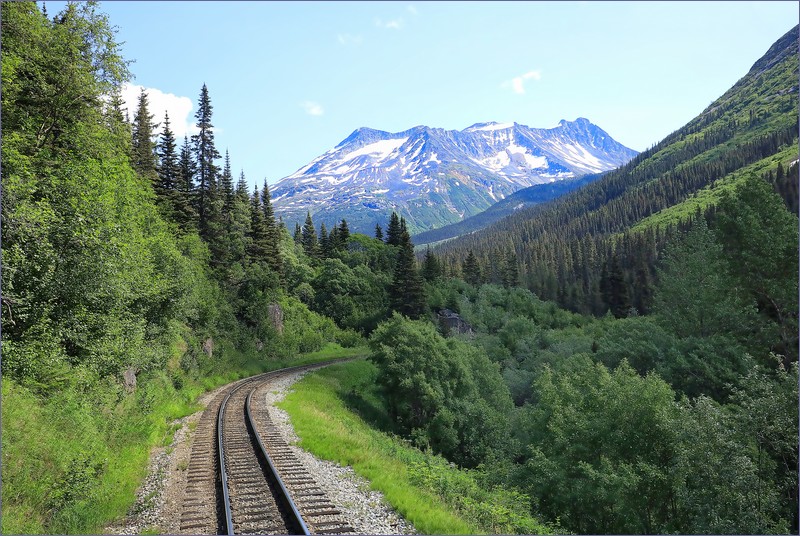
point(574, 249)
point(139, 271)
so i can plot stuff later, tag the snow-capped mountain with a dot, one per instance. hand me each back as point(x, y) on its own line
point(433, 176)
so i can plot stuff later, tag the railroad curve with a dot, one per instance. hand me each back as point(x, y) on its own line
point(243, 478)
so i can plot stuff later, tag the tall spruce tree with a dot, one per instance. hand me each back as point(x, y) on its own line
point(256, 247)
point(333, 238)
point(143, 149)
point(378, 232)
point(309, 238)
point(298, 233)
point(273, 232)
point(241, 188)
point(168, 169)
point(509, 272)
point(393, 230)
point(185, 213)
point(205, 154)
point(269, 214)
point(431, 267)
point(471, 270)
point(619, 298)
point(238, 221)
point(226, 184)
point(324, 242)
point(344, 232)
point(407, 292)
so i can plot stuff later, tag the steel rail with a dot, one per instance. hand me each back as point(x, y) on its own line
point(222, 471)
point(285, 495)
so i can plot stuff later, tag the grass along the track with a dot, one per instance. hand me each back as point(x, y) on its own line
point(326, 410)
point(72, 461)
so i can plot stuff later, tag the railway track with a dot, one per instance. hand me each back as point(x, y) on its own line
point(244, 479)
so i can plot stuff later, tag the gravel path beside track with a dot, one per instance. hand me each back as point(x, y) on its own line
point(159, 499)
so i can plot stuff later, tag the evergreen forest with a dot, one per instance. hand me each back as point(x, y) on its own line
point(626, 357)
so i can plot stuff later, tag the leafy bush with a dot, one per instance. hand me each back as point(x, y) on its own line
point(443, 393)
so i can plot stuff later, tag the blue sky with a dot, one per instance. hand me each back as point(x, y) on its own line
point(290, 80)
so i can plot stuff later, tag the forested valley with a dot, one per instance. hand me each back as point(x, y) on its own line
point(626, 363)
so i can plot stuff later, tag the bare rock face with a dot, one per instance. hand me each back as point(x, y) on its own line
point(208, 347)
point(129, 376)
point(451, 322)
point(275, 315)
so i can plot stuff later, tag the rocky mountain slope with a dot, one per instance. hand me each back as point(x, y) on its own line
point(434, 177)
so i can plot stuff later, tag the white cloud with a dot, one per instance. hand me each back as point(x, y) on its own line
point(517, 84)
point(394, 24)
point(312, 108)
point(181, 120)
point(348, 39)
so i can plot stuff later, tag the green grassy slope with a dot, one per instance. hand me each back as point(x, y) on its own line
point(336, 413)
point(711, 194)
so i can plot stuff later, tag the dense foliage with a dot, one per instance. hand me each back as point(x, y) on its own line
point(115, 311)
point(631, 423)
point(443, 392)
point(126, 257)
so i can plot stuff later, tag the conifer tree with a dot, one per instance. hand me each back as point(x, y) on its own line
point(143, 149)
point(603, 287)
point(241, 188)
point(238, 224)
point(168, 168)
point(431, 267)
point(206, 153)
point(256, 247)
point(309, 238)
point(407, 292)
point(273, 232)
point(619, 299)
point(393, 230)
point(333, 239)
point(269, 214)
point(324, 242)
point(344, 233)
point(471, 270)
point(298, 233)
point(226, 184)
point(185, 213)
point(510, 270)
point(378, 232)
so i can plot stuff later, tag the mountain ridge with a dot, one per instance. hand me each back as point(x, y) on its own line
point(525, 198)
point(433, 176)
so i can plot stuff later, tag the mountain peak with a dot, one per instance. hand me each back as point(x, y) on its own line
point(582, 121)
point(434, 176)
point(491, 125)
point(364, 134)
point(783, 47)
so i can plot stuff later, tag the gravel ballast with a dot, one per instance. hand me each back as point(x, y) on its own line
point(159, 498)
point(365, 509)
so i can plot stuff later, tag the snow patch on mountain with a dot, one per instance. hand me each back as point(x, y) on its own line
point(489, 126)
point(448, 171)
point(380, 150)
